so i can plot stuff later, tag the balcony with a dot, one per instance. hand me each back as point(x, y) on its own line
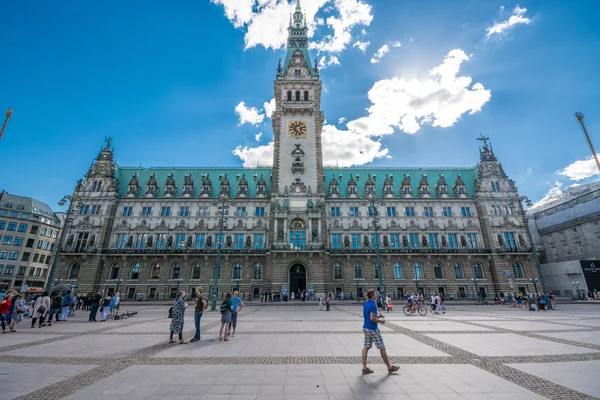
point(408, 251)
point(289, 247)
point(298, 105)
point(174, 251)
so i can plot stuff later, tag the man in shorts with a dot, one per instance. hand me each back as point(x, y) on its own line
point(372, 334)
point(236, 305)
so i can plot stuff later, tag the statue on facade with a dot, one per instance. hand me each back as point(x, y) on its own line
point(286, 205)
point(228, 241)
point(277, 205)
point(346, 241)
point(309, 204)
point(315, 234)
point(280, 235)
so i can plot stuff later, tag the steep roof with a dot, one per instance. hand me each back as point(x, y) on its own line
point(27, 205)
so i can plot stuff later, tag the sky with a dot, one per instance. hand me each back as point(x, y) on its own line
point(406, 83)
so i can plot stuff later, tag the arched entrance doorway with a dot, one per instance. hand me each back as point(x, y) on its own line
point(297, 278)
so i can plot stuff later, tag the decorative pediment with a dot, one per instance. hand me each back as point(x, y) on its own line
point(452, 225)
point(460, 189)
point(224, 186)
point(413, 225)
point(442, 187)
point(239, 225)
point(432, 225)
point(162, 226)
point(151, 187)
point(406, 187)
point(333, 189)
point(133, 187)
point(188, 186)
point(508, 223)
point(394, 223)
point(170, 187)
point(142, 226)
point(355, 224)
point(351, 188)
point(259, 226)
point(206, 188)
point(424, 190)
point(122, 226)
point(388, 186)
point(242, 190)
point(261, 187)
point(298, 159)
point(370, 185)
point(200, 226)
point(297, 186)
point(471, 224)
point(336, 224)
point(181, 225)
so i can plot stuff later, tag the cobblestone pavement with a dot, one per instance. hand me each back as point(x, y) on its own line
point(297, 352)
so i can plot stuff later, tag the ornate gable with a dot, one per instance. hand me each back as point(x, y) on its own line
point(151, 187)
point(188, 186)
point(133, 188)
point(170, 187)
point(442, 187)
point(406, 187)
point(424, 190)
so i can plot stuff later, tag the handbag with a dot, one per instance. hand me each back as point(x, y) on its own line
point(41, 309)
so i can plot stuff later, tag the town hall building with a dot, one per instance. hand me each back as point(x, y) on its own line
point(299, 225)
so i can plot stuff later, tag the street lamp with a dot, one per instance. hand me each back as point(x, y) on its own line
point(533, 249)
point(476, 280)
point(119, 281)
point(237, 283)
point(576, 287)
point(8, 115)
point(534, 281)
point(213, 305)
point(357, 281)
point(373, 197)
point(61, 203)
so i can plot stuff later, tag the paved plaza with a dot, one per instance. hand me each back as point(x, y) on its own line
point(284, 351)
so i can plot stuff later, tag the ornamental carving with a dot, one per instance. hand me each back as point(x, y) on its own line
point(188, 186)
point(460, 189)
point(388, 186)
point(297, 186)
point(151, 186)
point(261, 187)
point(442, 187)
point(424, 190)
point(206, 189)
point(334, 187)
point(242, 190)
point(406, 187)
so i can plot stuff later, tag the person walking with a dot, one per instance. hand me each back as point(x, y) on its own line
point(236, 305)
point(40, 309)
point(4, 307)
point(225, 310)
point(114, 305)
point(106, 307)
point(94, 304)
point(372, 334)
point(201, 305)
point(379, 301)
point(55, 307)
point(19, 310)
point(66, 303)
point(327, 303)
point(177, 320)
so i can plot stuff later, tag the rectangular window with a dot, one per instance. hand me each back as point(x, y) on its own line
point(478, 271)
point(580, 248)
point(11, 226)
point(7, 240)
point(336, 240)
point(391, 211)
point(94, 209)
point(472, 240)
point(409, 211)
point(374, 240)
point(9, 269)
point(458, 271)
point(18, 241)
point(38, 271)
point(298, 239)
point(238, 241)
point(493, 186)
point(465, 211)
point(428, 211)
point(203, 211)
point(2, 225)
point(121, 241)
point(180, 241)
point(31, 271)
point(372, 211)
point(184, 212)
point(14, 255)
point(413, 239)
point(353, 212)
point(39, 244)
point(25, 256)
point(398, 271)
point(49, 233)
point(127, 211)
point(395, 240)
point(45, 246)
point(22, 227)
point(165, 212)
point(21, 271)
point(160, 241)
point(34, 229)
point(146, 211)
point(42, 259)
point(447, 211)
point(259, 240)
point(240, 212)
point(35, 257)
point(335, 211)
point(3, 254)
point(219, 240)
point(140, 240)
point(452, 241)
point(51, 246)
point(356, 241)
point(509, 240)
point(433, 241)
point(260, 212)
point(200, 240)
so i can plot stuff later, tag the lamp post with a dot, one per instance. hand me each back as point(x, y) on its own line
point(377, 249)
point(62, 202)
point(213, 305)
point(533, 249)
point(534, 281)
point(9, 113)
point(357, 296)
point(576, 286)
point(579, 117)
point(118, 284)
point(417, 283)
point(178, 280)
point(476, 281)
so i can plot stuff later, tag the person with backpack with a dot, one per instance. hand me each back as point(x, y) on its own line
point(177, 320)
point(55, 307)
point(40, 309)
point(201, 305)
point(225, 310)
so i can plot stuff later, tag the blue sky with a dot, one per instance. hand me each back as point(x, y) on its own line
point(165, 81)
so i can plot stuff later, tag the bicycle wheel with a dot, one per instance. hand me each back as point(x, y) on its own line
point(407, 310)
point(422, 310)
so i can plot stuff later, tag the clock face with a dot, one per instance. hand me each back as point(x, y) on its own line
point(298, 129)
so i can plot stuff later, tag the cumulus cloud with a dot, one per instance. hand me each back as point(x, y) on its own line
point(408, 104)
point(555, 193)
point(341, 120)
point(269, 108)
point(248, 115)
point(581, 169)
point(383, 50)
point(325, 62)
point(500, 28)
point(258, 136)
point(255, 156)
point(362, 46)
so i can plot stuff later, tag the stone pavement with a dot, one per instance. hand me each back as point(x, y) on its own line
point(296, 352)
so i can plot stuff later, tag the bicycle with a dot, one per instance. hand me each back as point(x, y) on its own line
point(410, 309)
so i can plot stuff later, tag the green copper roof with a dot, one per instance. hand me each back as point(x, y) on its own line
point(297, 41)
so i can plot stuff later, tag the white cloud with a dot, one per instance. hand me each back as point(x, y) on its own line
point(517, 17)
point(341, 120)
point(347, 148)
point(255, 156)
point(396, 44)
point(554, 194)
point(362, 46)
point(248, 115)
point(239, 12)
point(325, 62)
point(269, 108)
point(581, 169)
point(383, 50)
point(258, 136)
point(407, 104)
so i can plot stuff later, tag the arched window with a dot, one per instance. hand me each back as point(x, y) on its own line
point(439, 271)
point(175, 271)
point(298, 234)
point(196, 271)
point(155, 271)
point(135, 271)
point(358, 271)
point(214, 271)
point(257, 272)
point(236, 272)
point(306, 95)
point(74, 271)
point(458, 271)
point(518, 270)
point(398, 271)
point(114, 272)
point(478, 271)
point(289, 95)
point(418, 271)
point(297, 95)
point(337, 271)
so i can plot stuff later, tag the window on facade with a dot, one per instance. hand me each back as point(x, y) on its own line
point(203, 211)
point(433, 241)
point(376, 271)
point(176, 271)
point(9, 270)
point(372, 211)
point(135, 271)
point(289, 95)
point(31, 271)
point(465, 211)
point(180, 240)
point(42, 259)
point(240, 211)
point(413, 239)
point(257, 271)
point(200, 240)
point(11, 226)
point(336, 240)
point(73, 271)
point(478, 271)
point(356, 241)
point(418, 271)
point(398, 271)
point(14, 255)
point(375, 241)
point(259, 240)
point(472, 240)
point(428, 211)
point(127, 211)
point(140, 240)
point(358, 271)
point(239, 241)
point(121, 240)
point(34, 229)
point(114, 272)
point(391, 211)
point(335, 211)
point(236, 272)
point(155, 271)
point(518, 270)
point(165, 212)
point(580, 248)
point(447, 211)
point(409, 211)
point(297, 91)
point(337, 271)
point(22, 227)
point(2, 225)
point(509, 240)
point(306, 95)
point(452, 241)
point(260, 212)
point(184, 211)
point(298, 234)
point(353, 211)
point(25, 256)
point(196, 271)
point(458, 271)
point(3, 254)
point(438, 270)
point(395, 240)
point(159, 243)
point(21, 270)
point(219, 240)
point(7, 240)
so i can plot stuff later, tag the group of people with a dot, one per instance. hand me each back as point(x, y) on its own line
point(534, 301)
point(12, 309)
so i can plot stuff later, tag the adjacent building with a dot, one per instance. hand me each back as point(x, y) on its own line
point(28, 238)
point(299, 225)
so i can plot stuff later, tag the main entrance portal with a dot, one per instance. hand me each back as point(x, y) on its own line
point(297, 278)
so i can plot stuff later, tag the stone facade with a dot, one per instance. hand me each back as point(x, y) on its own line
point(299, 224)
